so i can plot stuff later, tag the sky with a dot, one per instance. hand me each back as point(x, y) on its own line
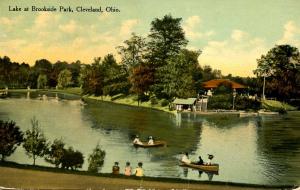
point(232, 34)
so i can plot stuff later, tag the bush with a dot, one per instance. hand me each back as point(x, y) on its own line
point(153, 100)
point(96, 159)
point(164, 103)
point(72, 159)
point(244, 103)
point(220, 102)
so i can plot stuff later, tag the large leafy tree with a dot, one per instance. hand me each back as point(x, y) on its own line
point(35, 142)
point(177, 77)
point(115, 77)
point(42, 81)
point(10, 138)
point(281, 67)
point(64, 78)
point(141, 79)
point(96, 159)
point(92, 78)
point(133, 51)
point(167, 38)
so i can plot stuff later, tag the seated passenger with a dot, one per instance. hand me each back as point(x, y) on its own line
point(210, 157)
point(185, 158)
point(150, 142)
point(137, 140)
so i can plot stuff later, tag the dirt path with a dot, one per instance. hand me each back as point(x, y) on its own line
point(31, 179)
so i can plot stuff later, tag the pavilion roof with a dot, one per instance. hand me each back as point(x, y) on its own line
point(216, 82)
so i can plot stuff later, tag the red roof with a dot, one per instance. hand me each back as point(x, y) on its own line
point(216, 82)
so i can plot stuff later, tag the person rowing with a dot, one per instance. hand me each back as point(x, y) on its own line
point(200, 161)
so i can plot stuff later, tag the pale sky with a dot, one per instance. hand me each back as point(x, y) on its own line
point(231, 33)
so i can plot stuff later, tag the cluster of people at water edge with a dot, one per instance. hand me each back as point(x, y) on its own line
point(139, 172)
point(185, 159)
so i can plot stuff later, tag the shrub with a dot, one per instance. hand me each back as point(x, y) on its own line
point(96, 159)
point(72, 159)
point(244, 103)
point(153, 100)
point(164, 103)
point(220, 102)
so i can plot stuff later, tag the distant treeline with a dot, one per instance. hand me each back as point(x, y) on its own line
point(158, 66)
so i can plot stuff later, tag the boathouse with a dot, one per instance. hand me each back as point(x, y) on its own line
point(185, 104)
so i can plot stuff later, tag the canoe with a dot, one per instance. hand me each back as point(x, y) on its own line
point(209, 168)
point(146, 145)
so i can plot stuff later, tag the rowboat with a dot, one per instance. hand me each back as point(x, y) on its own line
point(209, 168)
point(146, 145)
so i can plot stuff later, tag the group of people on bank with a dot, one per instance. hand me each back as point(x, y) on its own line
point(128, 171)
point(185, 159)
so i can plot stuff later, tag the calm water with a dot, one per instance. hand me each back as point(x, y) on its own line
point(259, 150)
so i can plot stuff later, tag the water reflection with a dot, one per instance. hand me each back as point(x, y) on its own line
point(262, 150)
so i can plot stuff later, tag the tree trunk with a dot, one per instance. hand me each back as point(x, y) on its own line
point(34, 160)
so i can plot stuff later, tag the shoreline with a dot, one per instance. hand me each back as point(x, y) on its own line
point(146, 105)
point(38, 177)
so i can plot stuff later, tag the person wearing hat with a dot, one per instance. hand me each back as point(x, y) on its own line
point(136, 140)
point(150, 142)
point(210, 157)
point(116, 168)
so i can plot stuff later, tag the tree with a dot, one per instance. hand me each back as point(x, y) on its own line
point(141, 79)
point(72, 159)
point(56, 152)
point(115, 77)
point(35, 142)
point(64, 78)
point(96, 159)
point(10, 138)
point(133, 52)
point(42, 81)
point(92, 78)
point(177, 77)
point(281, 67)
point(166, 39)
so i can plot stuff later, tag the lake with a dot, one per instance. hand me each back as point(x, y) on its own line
point(256, 150)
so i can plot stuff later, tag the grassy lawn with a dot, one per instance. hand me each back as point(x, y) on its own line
point(274, 105)
point(132, 101)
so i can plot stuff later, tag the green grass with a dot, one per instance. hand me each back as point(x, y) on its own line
point(274, 105)
point(146, 178)
point(131, 100)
